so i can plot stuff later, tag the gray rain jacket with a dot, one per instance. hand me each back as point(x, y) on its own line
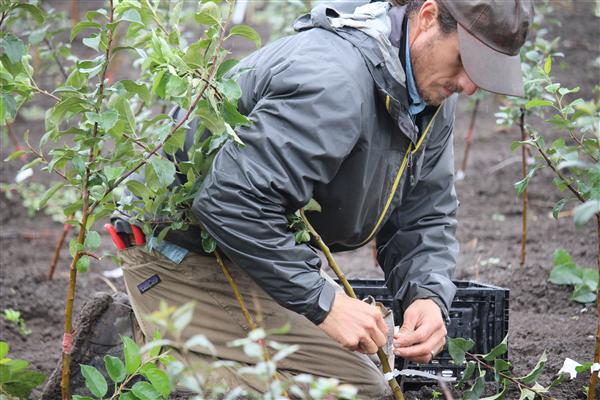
point(329, 120)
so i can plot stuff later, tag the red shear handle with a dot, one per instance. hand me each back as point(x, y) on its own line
point(138, 236)
point(115, 237)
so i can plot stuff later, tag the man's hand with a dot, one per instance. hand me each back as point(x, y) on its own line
point(423, 333)
point(355, 324)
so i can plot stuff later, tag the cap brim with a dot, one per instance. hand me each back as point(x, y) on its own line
point(489, 69)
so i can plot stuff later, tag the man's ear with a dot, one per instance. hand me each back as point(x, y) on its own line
point(428, 15)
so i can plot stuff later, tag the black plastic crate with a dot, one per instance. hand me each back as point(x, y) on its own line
point(478, 312)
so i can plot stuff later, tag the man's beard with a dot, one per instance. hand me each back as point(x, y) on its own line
point(422, 65)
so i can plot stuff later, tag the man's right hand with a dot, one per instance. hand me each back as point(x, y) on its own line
point(355, 324)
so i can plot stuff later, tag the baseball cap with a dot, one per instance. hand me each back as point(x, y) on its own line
point(490, 35)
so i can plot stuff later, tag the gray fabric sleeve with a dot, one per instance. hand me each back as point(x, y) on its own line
point(417, 247)
point(304, 126)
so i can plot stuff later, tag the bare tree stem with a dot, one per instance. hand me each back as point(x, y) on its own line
point(525, 192)
point(396, 390)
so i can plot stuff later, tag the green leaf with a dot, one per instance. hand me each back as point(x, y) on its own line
point(521, 186)
point(8, 108)
point(138, 88)
point(532, 376)
point(145, 391)
point(497, 351)
point(558, 207)
point(209, 14)
point(37, 35)
point(113, 173)
point(35, 12)
point(247, 32)
point(94, 380)
point(83, 264)
point(13, 47)
point(124, 108)
point(457, 347)
point(208, 244)
point(92, 240)
point(565, 275)
point(201, 341)
point(225, 66)
point(526, 394)
point(3, 349)
point(583, 294)
point(131, 15)
point(552, 88)
point(498, 396)
point(105, 120)
point(209, 118)
point(302, 236)
point(231, 90)
point(127, 396)
point(49, 193)
point(160, 84)
point(584, 212)
point(565, 91)
point(23, 382)
point(233, 116)
point(164, 169)
point(131, 352)
point(537, 103)
point(137, 188)
point(16, 154)
point(158, 378)
point(78, 397)
point(477, 389)
point(93, 42)
point(561, 256)
point(115, 368)
point(83, 25)
point(548, 65)
point(469, 371)
point(312, 205)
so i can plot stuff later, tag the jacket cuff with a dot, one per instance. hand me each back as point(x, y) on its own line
point(319, 312)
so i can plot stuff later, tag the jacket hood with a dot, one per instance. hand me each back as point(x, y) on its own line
point(368, 28)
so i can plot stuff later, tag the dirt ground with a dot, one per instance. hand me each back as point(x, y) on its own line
point(542, 318)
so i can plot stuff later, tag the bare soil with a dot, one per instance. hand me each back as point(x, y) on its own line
point(542, 317)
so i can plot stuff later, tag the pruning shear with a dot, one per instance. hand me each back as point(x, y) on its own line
point(122, 239)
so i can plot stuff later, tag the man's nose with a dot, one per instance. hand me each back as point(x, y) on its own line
point(466, 84)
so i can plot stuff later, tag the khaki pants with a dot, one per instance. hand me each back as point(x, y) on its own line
point(218, 316)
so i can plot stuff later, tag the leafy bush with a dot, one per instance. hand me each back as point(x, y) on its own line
point(16, 380)
point(161, 372)
point(478, 366)
point(566, 272)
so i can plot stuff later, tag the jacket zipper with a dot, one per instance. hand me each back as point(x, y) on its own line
point(407, 160)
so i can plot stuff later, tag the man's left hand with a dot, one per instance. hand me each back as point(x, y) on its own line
point(423, 333)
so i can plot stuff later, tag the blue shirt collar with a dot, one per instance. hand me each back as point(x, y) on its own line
point(417, 104)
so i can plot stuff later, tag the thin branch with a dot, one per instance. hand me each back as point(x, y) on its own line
point(580, 144)
point(53, 52)
point(89, 254)
point(86, 212)
point(396, 390)
point(4, 14)
point(525, 191)
point(44, 92)
point(41, 156)
point(59, 244)
point(559, 174)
